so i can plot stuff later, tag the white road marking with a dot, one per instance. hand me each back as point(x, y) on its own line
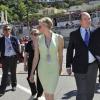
point(26, 90)
point(22, 88)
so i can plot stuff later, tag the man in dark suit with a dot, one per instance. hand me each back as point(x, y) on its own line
point(96, 46)
point(9, 48)
point(96, 42)
point(82, 59)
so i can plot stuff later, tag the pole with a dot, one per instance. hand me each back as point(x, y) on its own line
point(6, 19)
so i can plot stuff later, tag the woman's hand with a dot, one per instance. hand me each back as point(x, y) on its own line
point(25, 68)
point(60, 52)
point(31, 78)
point(60, 70)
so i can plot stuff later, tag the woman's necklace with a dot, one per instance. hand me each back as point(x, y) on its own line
point(47, 43)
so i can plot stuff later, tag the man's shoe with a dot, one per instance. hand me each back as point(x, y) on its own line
point(2, 92)
point(13, 88)
point(33, 97)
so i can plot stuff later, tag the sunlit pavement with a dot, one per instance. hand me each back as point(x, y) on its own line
point(66, 88)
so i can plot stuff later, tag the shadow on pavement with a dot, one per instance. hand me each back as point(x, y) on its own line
point(8, 90)
point(69, 94)
point(74, 92)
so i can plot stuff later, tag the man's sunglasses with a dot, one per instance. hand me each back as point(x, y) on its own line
point(7, 29)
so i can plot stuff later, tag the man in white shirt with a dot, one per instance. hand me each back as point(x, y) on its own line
point(9, 48)
point(84, 62)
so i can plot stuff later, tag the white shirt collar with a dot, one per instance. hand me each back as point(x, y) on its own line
point(8, 37)
point(84, 29)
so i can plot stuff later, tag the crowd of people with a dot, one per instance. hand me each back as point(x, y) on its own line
point(43, 57)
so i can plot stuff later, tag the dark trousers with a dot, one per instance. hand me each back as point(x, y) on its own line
point(86, 83)
point(9, 64)
point(99, 72)
point(35, 88)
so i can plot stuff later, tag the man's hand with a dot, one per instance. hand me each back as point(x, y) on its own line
point(69, 71)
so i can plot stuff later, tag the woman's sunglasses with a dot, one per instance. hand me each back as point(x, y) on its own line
point(35, 34)
point(40, 26)
point(7, 29)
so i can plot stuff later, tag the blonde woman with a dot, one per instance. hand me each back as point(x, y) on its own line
point(50, 47)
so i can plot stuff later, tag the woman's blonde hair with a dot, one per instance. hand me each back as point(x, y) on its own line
point(47, 21)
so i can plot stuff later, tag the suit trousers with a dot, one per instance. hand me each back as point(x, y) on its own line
point(86, 83)
point(9, 64)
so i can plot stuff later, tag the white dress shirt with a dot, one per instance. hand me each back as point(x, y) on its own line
point(9, 50)
point(91, 58)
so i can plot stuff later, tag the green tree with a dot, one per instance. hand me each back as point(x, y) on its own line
point(22, 9)
point(3, 8)
point(74, 2)
point(60, 5)
point(35, 7)
point(45, 4)
point(9, 12)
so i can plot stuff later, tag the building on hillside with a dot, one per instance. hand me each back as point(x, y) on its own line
point(48, 1)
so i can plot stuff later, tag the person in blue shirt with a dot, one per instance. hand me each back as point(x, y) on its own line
point(9, 49)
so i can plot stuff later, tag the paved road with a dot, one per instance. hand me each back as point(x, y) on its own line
point(66, 89)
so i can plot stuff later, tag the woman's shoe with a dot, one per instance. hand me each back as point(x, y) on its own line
point(41, 98)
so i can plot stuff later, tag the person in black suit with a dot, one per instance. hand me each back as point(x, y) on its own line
point(96, 46)
point(9, 48)
point(82, 59)
point(96, 42)
point(36, 87)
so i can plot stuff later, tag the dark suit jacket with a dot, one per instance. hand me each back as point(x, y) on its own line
point(96, 42)
point(30, 50)
point(14, 44)
point(79, 61)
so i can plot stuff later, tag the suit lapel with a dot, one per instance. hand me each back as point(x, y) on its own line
point(91, 31)
point(12, 42)
point(11, 39)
